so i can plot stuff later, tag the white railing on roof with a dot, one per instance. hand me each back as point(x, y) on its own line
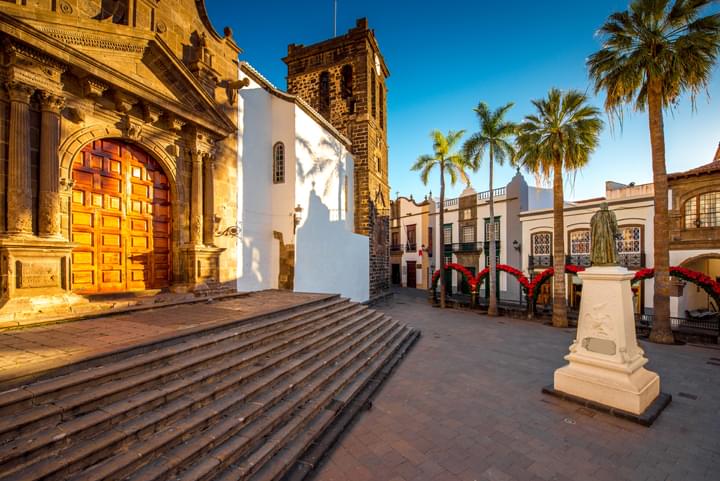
point(496, 193)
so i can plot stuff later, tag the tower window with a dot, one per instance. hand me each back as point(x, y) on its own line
point(373, 93)
point(382, 107)
point(279, 163)
point(325, 93)
point(347, 81)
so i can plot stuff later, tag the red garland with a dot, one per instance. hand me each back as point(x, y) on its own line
point(475, 281)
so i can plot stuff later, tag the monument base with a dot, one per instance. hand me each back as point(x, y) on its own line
point(646, 418)
point(605, 362)
point(629, 391)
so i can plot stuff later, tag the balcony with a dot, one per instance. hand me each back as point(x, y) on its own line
point(468, 247)
point(582, 260)
point(540, 262)
point(396, 249)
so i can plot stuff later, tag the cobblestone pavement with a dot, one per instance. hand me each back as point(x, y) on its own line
point(466, 405)
point(33, 349)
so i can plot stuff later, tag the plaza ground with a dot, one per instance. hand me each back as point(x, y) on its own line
point(465, 404)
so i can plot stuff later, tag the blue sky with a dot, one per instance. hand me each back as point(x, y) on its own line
point(445, 57)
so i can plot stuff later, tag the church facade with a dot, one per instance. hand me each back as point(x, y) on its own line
point(118, 159)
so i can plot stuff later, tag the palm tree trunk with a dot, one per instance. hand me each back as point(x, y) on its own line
point(559, 314)
point(661, 331)
point(442, 235)
point(492, 308)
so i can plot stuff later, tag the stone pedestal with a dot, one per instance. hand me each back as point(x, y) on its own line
point(35, 276)
point(202, 265)
point(605, 363)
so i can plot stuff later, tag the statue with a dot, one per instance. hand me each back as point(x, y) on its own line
point(603, 235)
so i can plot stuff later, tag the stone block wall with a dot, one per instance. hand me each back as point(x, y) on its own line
point(379, 227)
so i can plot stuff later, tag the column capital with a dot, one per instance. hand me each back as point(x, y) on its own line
point(19, 92)
point(49, 102)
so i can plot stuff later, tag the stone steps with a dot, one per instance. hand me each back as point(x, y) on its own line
point(239, 402)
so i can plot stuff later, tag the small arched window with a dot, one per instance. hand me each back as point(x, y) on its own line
point(703, 211)
point(279, 163)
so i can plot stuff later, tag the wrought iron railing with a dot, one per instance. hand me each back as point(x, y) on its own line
point(681, 323)
point(582, 260)
point(467, 247)
point(540, 262)
point(396, 248)
point(632, 261)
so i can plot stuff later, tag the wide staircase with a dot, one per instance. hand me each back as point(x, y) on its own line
point(260, 399)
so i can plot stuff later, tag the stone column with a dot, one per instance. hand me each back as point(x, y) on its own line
point(19, 197)
point(49, 210)
point(196, 199)
point(209, 202)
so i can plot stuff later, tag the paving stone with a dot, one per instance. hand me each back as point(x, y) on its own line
point(471, 386)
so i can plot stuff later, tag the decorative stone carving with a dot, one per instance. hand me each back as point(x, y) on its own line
point(151, 114)
point(131, 128)
point(76, 115)
point(85, 39)
point(93, 88)
point(51, 102)
point(123, 102)
point(232, 87)
point(175, 124)
point(19, 92)
point(31, 67)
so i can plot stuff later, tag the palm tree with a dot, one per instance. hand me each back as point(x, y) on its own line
point(560, 136)
point(495, 137)
point(451, 163)
point(651, 54)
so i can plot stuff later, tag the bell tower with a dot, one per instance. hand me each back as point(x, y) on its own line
point(344, 80)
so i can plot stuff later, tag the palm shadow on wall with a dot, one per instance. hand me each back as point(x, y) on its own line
point(333, 164)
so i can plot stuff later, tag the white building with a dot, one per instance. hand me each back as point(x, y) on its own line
point(633, 207)
point(295, 197)
point(466, 229)
point(411, 248)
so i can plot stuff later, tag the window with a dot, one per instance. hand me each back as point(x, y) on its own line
point(447, 234)
point(411, 238)
point(468, 234)
point(541, 244)
point(279, 163)
point(325, 93)
point(373, 90)
point(382, 108)
point(395, 239)
point(346, 81)
point(630, 241)
point(580, 242)
point(497, 229)
point(703, 211)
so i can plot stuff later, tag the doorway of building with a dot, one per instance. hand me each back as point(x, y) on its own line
point(120, 219)
point(395, 275)
point(411, 274)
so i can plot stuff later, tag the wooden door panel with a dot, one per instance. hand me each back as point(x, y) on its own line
point(120, 220)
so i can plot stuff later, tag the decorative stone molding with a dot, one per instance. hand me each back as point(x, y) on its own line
point(123, 102)
point(175, 124)
point(19, 92)
point(151, 114)
point(93, 88)
point(131, 128)
point(29, 66)
point(83, 39)
point(76, 115)
point(51, 102)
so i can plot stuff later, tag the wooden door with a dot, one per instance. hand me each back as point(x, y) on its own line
point(411, 276)
point(120, 220)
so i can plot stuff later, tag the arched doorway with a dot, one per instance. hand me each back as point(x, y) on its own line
point(120, 219)
point(694, 299)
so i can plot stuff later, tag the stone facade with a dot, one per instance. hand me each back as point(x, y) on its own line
point(144, 78)
point(344, 80)
point(379, 225)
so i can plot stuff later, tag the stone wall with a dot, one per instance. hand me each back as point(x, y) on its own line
point(379, 225)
